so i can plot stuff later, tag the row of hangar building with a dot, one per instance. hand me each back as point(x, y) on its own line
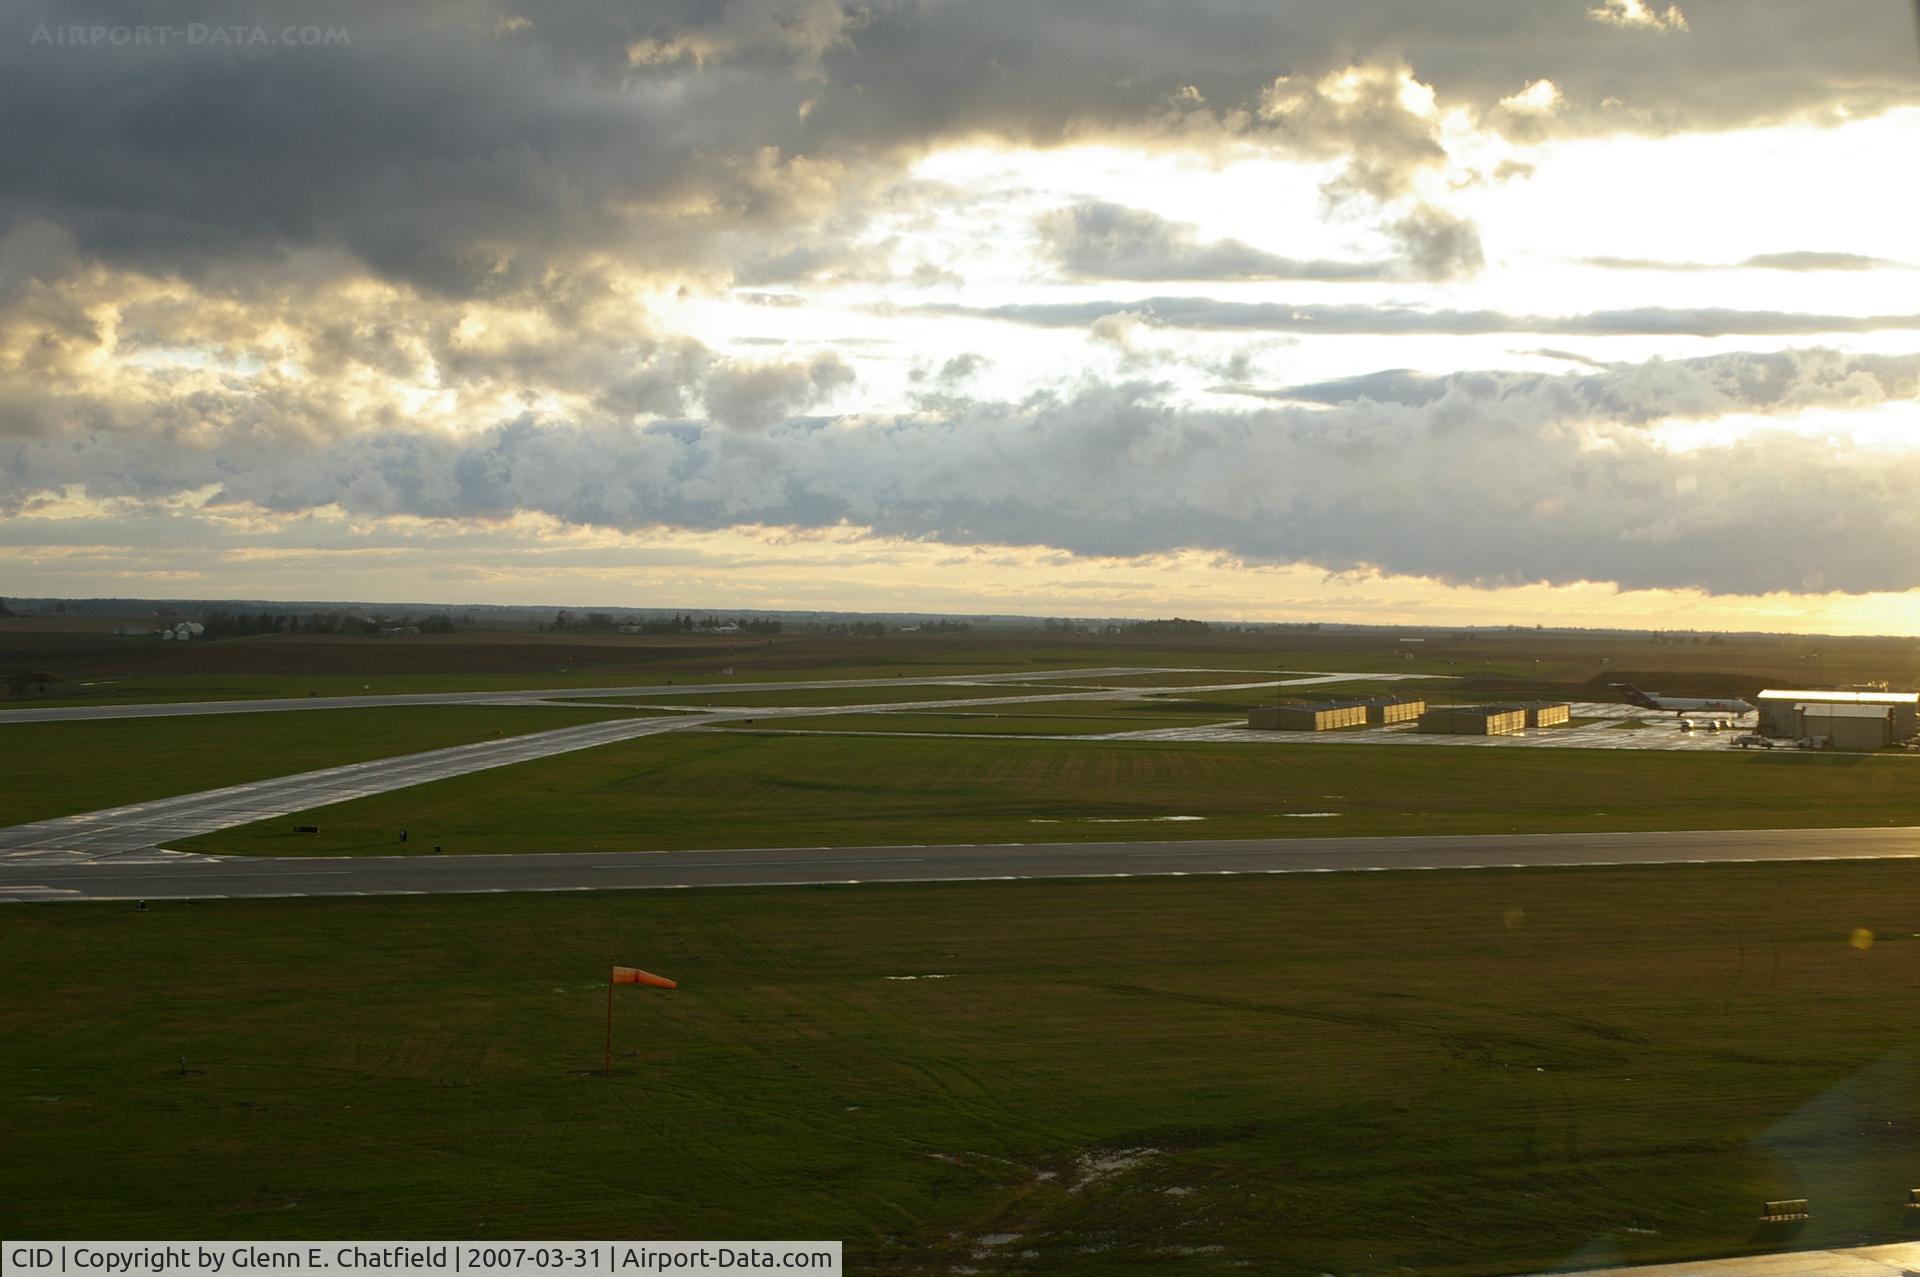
point(1381, 711)
point(1850, 720)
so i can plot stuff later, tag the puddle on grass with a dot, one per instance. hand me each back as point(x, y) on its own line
point(1093, 1168)
point(984, 1246)
point(916, 977)
point(1308, 815)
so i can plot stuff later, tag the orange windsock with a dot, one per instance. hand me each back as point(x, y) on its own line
point(634, 975)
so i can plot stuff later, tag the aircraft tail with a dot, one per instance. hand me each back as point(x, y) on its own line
point(1634, 695)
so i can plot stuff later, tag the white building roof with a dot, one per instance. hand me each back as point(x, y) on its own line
point(1820, 710)
point(1844, 698)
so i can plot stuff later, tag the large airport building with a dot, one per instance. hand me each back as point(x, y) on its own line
point(1845, 720)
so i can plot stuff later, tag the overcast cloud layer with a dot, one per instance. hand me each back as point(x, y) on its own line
point(1482, 478)
point(703, 263)
point(1282, 317)
point(472, 146)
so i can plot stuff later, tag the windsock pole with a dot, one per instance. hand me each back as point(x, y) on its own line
point(628, 975)
point(608, 1067)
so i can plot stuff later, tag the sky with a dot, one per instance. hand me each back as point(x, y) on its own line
point(1573, 312)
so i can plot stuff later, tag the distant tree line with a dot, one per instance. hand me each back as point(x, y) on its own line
point(854, 629)
point(678, 623)
point(1176, 627)
point(877, 629)
point(223, 625)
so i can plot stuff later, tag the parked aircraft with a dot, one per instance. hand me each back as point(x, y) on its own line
point(1682, 704)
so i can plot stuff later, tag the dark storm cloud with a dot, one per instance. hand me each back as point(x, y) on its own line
point(1819, 261)
point(1099, 240)
point(755, 396)
point(1483, 478)
point(470, 147)
point(1037, 71)
point(1793, 261)
point(1337, 320)
point(432, 148)
point(1436, 244)
point(1638, 393)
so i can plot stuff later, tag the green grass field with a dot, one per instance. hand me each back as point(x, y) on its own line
point(246, 687)
point(1247, 673)
point(111, 671)
point(1444, 1073)
point(221, 687)
point(1242, 699)
point(1397, 662)
point(719, 789)
point(1237, 703)
point(58, 769)
point(680, 695)
point(1152, 711)
point(87, 661)
point(1361, 687)
point(1056, 720)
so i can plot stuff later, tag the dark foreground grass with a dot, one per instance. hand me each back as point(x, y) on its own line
point(58, 769)
point(1459, 1073)
point(740, 789)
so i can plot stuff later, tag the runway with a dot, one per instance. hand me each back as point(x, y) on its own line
point(155, 875)
point(119, 852)
point(137, 826)
point(153, 822)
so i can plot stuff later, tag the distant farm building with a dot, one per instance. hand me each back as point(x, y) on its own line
point(1793, 714)
point(1308, 718)
point(1475, 720)
point(1549, 714)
